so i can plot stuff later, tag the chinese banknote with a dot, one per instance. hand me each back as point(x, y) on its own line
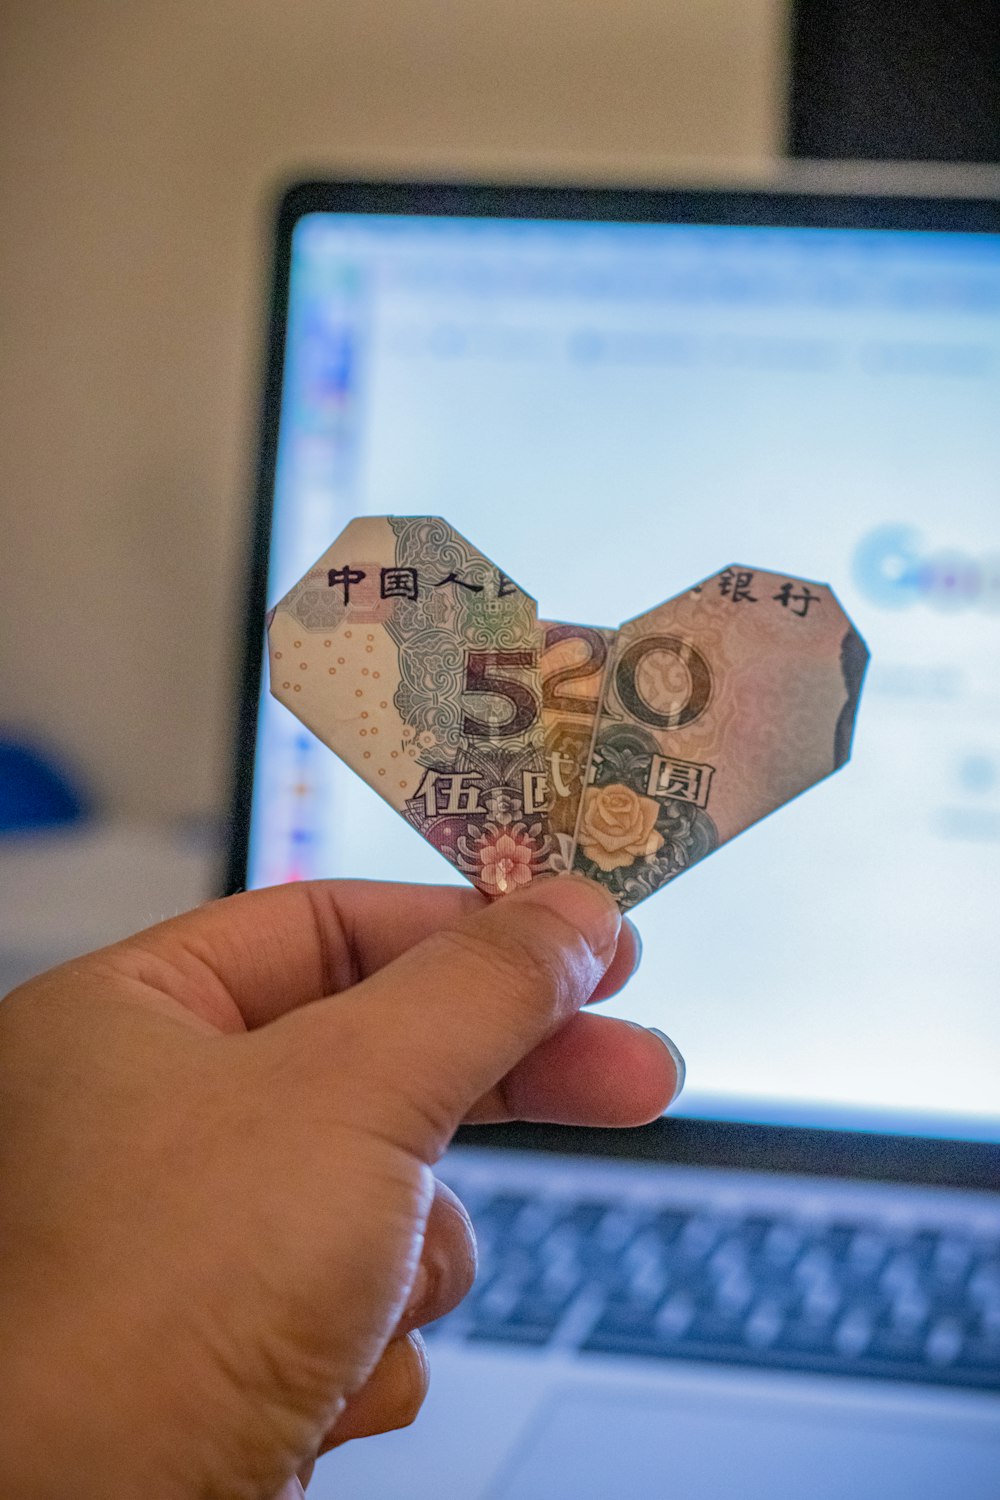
point(520, 747)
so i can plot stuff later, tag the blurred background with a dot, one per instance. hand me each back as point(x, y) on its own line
point(143, 149)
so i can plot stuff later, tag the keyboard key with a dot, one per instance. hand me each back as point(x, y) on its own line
point(676, 1315)
point(583, 1217)
point(951, 1261)
point(561, 1278)
point(734, 1294)
point(497, 1300)
point(901, 1274)
point(782, 1245)
point(837, 1239)
point(866, 1255)
point(501, 1208)
point(816, 1266)
point(910, 1311)
point(532, 1223)
point(614, 1231)
point(922, 1244)
point(822, 1302)
point(944, 1341)
point(730, 1255)
point(753, 1230)
point(668, 1224)
point(984, 1283)
point(648, 1285)
point(853, 1333)
point(699, 1235)
point(764, 1324)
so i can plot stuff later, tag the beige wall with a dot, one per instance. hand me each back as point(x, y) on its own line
point(140, 144)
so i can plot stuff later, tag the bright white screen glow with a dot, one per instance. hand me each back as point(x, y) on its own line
point(611, 412)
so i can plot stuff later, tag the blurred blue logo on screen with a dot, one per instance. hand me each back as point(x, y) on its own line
point(895, 568)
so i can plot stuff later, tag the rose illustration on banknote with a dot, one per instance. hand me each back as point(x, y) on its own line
point(519, 747)
point(617, 826)
point(684, 833)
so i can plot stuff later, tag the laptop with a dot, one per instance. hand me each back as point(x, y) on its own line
point(790, 1287)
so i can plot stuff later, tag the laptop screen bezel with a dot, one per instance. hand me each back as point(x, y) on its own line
point(932, 1160)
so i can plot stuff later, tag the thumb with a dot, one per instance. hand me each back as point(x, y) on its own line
point(420, 1041)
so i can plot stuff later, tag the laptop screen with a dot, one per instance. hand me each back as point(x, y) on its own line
point(613, 411)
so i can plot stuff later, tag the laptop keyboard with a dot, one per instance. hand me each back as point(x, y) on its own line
point(840, 1297)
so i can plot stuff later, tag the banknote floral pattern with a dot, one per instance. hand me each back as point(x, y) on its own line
point(502, 847)
point(501, 859)
point(434, 631)
point(617, 826)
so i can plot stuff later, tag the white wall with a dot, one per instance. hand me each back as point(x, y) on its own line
point(140, 144)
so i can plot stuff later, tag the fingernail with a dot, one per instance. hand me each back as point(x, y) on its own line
point(637, 939)
point(680, 1066)
point(583, 903)
point(418, 1291)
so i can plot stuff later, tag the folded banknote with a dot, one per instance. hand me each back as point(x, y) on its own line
point(521, 747)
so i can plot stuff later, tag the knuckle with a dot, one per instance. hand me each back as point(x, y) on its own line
point(512, 961)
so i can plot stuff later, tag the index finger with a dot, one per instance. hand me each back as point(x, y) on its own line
point(246, 960)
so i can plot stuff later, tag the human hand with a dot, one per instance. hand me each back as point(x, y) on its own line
point(218, 1224)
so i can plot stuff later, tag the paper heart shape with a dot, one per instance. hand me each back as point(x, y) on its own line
point(521, 747)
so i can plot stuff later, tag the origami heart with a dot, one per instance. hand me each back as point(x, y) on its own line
point(520, 747)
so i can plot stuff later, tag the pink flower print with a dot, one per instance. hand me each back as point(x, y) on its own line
point(505, 862)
